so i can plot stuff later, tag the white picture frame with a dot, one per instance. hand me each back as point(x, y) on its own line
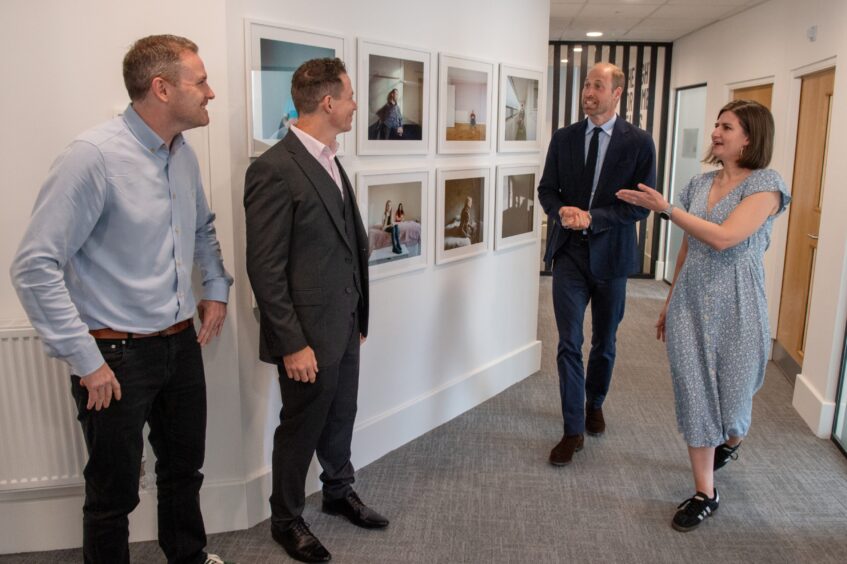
point(517, 216)
point(519, 124)
point(273, 52)
point(466, 109)
point(453, 240)
point(383, 67)
point(374, 189)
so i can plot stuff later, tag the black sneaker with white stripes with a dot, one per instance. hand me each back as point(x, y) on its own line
point(724, 453)
point(694, 510)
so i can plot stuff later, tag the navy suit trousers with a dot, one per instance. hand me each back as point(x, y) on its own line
point(573, 288)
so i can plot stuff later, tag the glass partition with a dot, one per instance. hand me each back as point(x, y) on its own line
point(689, 140)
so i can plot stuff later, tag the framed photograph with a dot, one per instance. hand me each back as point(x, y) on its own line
point(273, 54)
point(461, 213)
point(395, 210)
point(393, 96)
point(465, 105)
point(520, 117)
point(517, 217)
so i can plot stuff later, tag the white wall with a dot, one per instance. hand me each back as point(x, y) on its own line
point(469, 328)
point(442, 356)
point(769, 43)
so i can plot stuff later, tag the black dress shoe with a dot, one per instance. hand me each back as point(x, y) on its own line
point(300, 544)
point(562, 453)
point(595, 424)
point(357, 512)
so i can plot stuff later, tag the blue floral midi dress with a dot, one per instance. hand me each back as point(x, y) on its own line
point(717, 321)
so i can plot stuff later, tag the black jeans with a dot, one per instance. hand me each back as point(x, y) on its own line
point(163, 384)
point(318, 418)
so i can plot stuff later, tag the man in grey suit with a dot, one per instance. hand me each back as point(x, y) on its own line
point(307, 259)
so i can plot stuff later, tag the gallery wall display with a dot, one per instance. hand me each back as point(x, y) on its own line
point(519, 117)
point(462, 218)
point(273, 54)
point(393, 98)
point(466, 116)
point(395, 210)
point(517, 215)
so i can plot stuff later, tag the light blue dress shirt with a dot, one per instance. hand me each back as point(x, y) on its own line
point(114, 234)
point(602, 144)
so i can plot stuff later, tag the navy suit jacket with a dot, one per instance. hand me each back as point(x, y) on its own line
point(630, 159)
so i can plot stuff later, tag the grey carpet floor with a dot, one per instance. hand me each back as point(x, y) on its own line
point(479, 489)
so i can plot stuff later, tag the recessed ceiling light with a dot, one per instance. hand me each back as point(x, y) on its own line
point(594, 34)
point(577, 49)
point(564, 60)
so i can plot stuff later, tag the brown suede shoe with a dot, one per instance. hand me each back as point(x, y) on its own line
point(595, 425)
point(562, 453)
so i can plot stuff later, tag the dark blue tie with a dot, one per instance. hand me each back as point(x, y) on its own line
point(588, 172)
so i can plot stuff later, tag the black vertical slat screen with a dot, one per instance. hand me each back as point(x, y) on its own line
point(625, 67)
point(651, 88)
point(583, 71)
point(571, 92)
point(636, 98)
point(569, 88)
point(557, 77)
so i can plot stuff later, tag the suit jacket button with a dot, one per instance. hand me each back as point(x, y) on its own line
point(348, 260)
point(348, 290)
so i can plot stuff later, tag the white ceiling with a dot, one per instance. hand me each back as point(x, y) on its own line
point(638, 20)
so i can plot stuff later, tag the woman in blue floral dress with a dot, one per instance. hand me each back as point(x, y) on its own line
point(715, 320)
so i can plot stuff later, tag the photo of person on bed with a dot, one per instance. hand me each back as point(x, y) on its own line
point(394, 234)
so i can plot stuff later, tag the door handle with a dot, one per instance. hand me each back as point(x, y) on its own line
point(812, 237)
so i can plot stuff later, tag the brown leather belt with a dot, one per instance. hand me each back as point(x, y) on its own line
point(107, 333)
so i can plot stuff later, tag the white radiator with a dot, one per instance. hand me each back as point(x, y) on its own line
point(41, 443)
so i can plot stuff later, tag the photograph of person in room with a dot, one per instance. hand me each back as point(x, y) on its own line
point(467, 105)
point(395, 99)
point(394, 233)
point(715, 319)
point(389, 118)
point(279, 60)
point(521, 109)
point(464, 198)
point(518, 205)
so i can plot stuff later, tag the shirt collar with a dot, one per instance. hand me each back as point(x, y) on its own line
point(607, 127)
point(315, 147)
point(146, 136)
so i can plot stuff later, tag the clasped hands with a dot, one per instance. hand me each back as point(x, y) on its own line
point(574, 218)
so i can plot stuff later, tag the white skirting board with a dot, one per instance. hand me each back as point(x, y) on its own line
point(813, 408)
point(239, 504)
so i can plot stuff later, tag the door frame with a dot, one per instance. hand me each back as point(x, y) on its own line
point(779, 238)
point(729, 87)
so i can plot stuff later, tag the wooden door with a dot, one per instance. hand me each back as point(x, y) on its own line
point(762, 94)
point(805, 211)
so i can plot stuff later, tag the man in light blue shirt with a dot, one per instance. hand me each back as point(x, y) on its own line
point(104, 274)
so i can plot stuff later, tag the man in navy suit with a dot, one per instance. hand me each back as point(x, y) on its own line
point(592, 245)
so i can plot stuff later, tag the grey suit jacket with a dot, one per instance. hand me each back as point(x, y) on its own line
point(302, 267)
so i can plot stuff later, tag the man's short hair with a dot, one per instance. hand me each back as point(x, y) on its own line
point(757, 122)
point(617, 76)
point(314, 80)
point(152, 56)
point(615, 72)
